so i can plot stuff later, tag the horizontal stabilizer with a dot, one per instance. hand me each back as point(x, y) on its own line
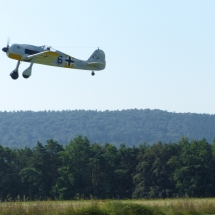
point(95, 64)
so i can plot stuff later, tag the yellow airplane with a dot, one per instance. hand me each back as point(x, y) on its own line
point(46, 55)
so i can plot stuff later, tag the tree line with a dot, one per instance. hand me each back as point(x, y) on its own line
point(25, 128)
point(84, 170)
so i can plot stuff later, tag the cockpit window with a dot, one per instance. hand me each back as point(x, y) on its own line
point(47, 48)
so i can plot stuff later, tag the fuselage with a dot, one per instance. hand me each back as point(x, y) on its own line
point(21, 52)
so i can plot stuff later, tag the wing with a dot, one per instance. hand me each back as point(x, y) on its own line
point(46, 57)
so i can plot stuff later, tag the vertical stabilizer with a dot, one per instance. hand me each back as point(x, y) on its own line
point(97, 60)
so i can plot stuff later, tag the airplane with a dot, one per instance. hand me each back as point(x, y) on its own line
point(47, 55)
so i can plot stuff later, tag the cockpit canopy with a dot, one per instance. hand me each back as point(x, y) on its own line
point(47, 48)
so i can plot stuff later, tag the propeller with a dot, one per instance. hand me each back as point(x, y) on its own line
point(5, 49)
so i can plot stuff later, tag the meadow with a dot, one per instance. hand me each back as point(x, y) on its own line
point(111, 207)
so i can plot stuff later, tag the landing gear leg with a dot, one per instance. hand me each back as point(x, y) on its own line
point(15, 74)
point(27, 72)
point(93, 73)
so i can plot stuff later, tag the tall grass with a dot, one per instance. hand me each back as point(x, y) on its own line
point(110, 207)
point(189, 206)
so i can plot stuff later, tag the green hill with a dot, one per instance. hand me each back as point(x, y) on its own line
point(25, 128)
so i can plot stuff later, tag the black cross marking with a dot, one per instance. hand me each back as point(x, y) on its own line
point(69, 61)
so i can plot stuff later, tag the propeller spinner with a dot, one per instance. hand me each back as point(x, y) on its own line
point(5, 49)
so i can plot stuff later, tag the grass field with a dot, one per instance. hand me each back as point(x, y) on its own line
point(111, 207)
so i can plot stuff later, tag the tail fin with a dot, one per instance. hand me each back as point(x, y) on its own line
point(97, 60)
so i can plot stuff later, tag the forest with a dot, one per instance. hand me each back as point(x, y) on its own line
point(132, 127)
point(82, 170)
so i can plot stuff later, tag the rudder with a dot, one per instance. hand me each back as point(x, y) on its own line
point(97, 56)
point(97, 60)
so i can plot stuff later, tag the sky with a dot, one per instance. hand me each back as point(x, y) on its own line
point(159, 55)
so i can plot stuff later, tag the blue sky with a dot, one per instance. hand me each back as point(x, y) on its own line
point(159, 54)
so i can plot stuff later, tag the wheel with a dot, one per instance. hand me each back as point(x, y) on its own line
point(14, 75)
point(25, 76)
point(93, 73)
